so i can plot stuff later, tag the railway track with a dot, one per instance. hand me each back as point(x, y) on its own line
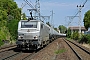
point(19, 56)
point(9, 57)
point(9, 51)
point(29, 56)
point(9, 54)
point(81, 53)
point(3, 49)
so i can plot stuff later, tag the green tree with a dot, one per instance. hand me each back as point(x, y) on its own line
point(68, 33)
point(13, 26)
point(56, 29)
point(62, 29)
point(86, 19)
point(10, 14)
point(24, 16)
point(75, 35)
point(10, 8)
point(85, 39)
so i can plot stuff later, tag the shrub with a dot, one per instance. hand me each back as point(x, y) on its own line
point(13, 26)
point(88, 38)
point(75, 35)
point(68, 33)
point(1, 43)
point(85, 39)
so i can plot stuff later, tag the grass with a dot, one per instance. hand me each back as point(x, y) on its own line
point(60, 51)
point(68, 38)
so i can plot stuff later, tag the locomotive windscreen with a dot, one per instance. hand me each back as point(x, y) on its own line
point(26, 24)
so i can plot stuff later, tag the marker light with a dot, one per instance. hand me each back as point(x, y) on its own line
point(36, 37)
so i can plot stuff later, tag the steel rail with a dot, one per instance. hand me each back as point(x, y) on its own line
point(2, 49)
point(29, 56)
point(7, 46)
point(81, 48)
point(11, 56)
point(79, 57)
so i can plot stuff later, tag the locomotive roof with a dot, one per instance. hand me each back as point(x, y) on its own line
point(36, 21)
point(32, 20)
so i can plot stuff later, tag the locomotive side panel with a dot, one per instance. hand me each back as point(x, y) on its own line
point(44, 33)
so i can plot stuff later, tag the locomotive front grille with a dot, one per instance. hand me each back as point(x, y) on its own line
point(28, 36)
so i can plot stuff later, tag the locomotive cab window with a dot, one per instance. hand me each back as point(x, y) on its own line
point(25, 24)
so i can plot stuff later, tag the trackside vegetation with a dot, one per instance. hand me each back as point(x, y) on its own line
point(85, 38)
point(60, 51)
point(9, 16)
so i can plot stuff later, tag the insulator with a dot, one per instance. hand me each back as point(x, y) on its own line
point(77, 5)
point(83, 6)
point(80, 6)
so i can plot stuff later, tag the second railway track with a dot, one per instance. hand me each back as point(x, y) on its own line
point(19, 56)
point(3, 49)
point(80, 52)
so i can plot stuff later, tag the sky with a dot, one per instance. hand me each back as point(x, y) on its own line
point(62, 10)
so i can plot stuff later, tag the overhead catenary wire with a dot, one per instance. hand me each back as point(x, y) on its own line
point(71, 19)
point(80, 9)
point(29, 4)
point(36, 8)
point(32, 3)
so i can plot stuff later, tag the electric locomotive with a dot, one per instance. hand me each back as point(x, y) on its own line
point(32, 34)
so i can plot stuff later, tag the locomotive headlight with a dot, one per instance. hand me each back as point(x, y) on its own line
point(36, 37)
point(20, 35)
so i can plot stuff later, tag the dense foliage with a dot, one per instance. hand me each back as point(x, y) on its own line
point(24, 16)
point(9, 17)
point(62, 29)
point(87, 19)
point(1, 43)
point(68, 33)
point(13, 30)
point(75, 35)
point(85, 39)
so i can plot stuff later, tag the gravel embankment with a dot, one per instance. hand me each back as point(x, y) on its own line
point(49, 52)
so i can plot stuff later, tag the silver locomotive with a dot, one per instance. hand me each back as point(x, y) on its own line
point(32, 34)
